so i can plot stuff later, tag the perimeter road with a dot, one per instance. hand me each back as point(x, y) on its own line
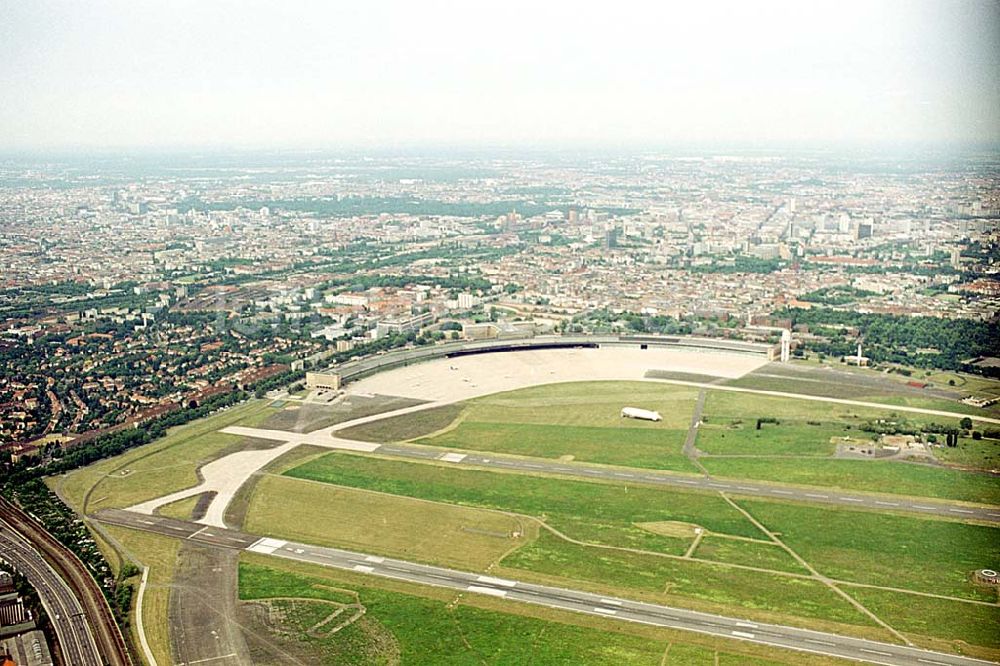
point(802, 640)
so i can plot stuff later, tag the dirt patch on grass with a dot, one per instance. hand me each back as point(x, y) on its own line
point(405, 426)
point(292, 630)
point(672, 528)
point(306, 417)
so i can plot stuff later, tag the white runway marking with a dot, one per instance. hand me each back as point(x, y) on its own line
point(881, 654)
point(487, 590)
point(453, 457)
point(266, 546)
point(489, 580)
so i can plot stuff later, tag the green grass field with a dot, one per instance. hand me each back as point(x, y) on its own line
point(164, 466)
point(724, 406)
point(843, 390)
point(159, 553)
point(905, 552)
point(954, 622)
point(784, 439)
point(181, 509)
point(658, 448)
point(406, 426)
point(804, 430)
point(923, 555)
point(883, 476)
point(580, 420)
point(671, 581)
point(748, 553)
point(413, 629)
point(607, 514)
point(983, 454)
point(596, 404)
point(597, 512)
point(322, 514)
point(415, 625)
point(436, 513)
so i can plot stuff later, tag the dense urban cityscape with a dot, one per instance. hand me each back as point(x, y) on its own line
point(128, 296)
point(449, 333)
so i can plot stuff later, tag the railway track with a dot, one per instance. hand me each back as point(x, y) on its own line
point(107, 637)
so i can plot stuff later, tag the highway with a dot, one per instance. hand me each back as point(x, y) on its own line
point(712, 484)
point(63, 608)
point(802, 640)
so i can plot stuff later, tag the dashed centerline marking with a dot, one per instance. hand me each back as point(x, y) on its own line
point(881, 654)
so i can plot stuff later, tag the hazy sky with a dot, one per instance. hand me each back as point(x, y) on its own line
point(137, 73)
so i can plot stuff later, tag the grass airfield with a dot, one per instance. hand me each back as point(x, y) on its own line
point(690, 549)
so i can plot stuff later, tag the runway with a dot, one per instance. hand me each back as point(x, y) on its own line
point(62, 606)
point(712, 484)
point(802, 640)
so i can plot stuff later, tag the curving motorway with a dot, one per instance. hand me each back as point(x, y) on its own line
point(80, 610)
point(64, 609)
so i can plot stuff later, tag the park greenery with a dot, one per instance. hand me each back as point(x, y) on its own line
point(924, 342)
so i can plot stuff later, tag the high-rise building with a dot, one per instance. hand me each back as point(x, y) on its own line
point(611, 238)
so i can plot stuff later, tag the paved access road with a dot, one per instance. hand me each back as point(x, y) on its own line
point(747, 488)
point(64, 609)
point(582, 602)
